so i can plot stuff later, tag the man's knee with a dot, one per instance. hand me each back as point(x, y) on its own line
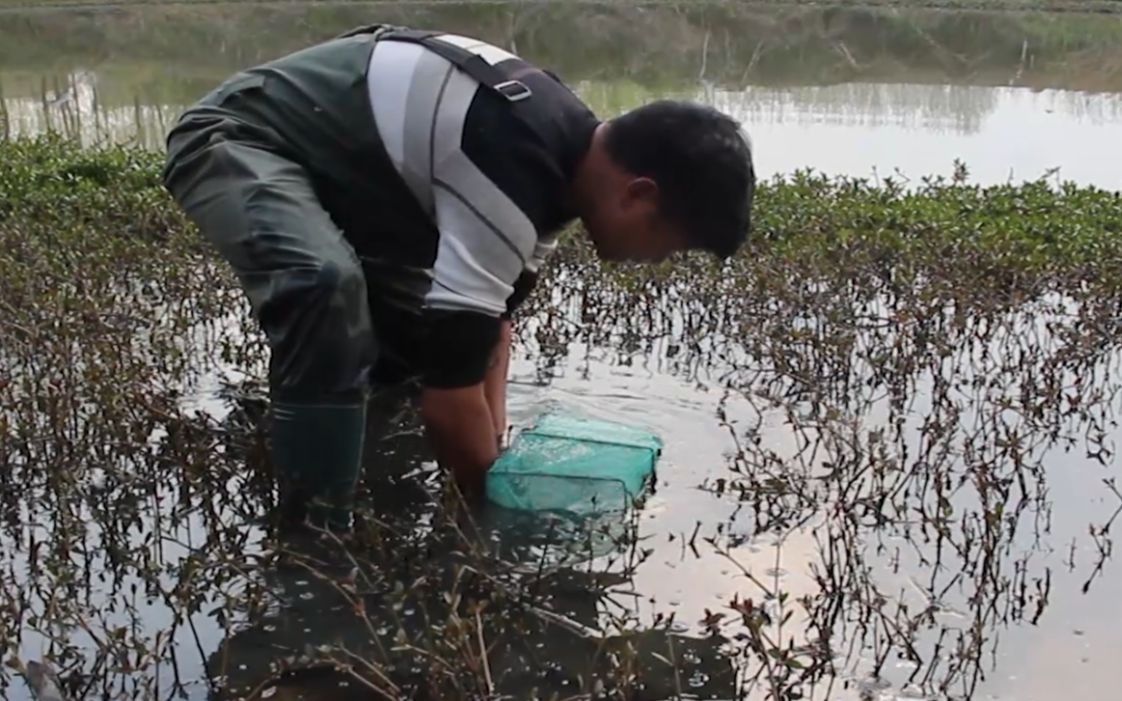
point(318, 323)
point(344, 286)
point(330, 297)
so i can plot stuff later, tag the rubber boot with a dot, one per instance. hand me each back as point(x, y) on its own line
point(317, 451)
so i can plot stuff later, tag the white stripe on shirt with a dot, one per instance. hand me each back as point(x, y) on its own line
point(486, 240)
point(390, 78)
point(490, 54)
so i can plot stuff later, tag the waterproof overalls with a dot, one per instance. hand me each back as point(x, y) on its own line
point(282, 169)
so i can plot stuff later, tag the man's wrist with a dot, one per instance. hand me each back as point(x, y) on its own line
point(459, 424)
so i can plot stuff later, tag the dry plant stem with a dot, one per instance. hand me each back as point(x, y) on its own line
point(483, 654)
point(386, 689)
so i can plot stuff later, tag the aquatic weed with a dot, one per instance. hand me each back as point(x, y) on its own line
point(130, 488)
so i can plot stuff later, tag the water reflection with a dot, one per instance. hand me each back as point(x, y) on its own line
point(914, 131)
point(854, 91)
point(860, 129)
point(70, 105)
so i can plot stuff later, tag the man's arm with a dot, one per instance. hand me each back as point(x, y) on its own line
point(494, 384)
point(454, 406)
point(464, 424)
point(459, 425)
point(488, 192)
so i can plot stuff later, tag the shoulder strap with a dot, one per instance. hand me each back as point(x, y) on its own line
point(365, 29)
point(471, 63)
point(506, 84)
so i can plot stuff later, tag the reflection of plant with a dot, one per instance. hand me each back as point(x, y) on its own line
point(926, 348)
point(454, 620)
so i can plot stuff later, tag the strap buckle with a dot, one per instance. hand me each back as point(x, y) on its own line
point(514, 90)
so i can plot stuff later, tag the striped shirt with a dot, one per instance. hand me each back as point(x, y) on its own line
point(492, 187)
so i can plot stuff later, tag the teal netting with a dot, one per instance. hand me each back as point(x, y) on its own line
point(574, 464)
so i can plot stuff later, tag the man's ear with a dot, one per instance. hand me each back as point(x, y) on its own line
point(643, 190)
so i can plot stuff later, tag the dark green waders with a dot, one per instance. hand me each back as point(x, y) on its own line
point(307, 291)
point(253, 164)
point(282, 169)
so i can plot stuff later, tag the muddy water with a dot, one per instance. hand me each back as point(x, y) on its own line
point(1036, 616)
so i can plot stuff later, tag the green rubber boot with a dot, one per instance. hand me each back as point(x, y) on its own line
point(317, 451)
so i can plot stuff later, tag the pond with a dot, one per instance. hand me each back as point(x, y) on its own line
point(929, 497)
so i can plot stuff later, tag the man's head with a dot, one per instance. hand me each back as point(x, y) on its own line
point(667, 177)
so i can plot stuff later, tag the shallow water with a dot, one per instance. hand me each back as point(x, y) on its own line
point(904, 121)
point(1066, 651)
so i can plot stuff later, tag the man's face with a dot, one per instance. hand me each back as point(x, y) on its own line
point(626, 225)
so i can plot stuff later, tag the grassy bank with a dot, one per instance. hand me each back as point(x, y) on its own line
point(115, 482)
point(727, 43)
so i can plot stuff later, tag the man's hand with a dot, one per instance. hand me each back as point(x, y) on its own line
point(462, 432)
point(494, 384)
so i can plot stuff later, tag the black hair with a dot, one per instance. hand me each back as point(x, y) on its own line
point(701, 160)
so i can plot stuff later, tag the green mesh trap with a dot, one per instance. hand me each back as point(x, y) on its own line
point(574, 464)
